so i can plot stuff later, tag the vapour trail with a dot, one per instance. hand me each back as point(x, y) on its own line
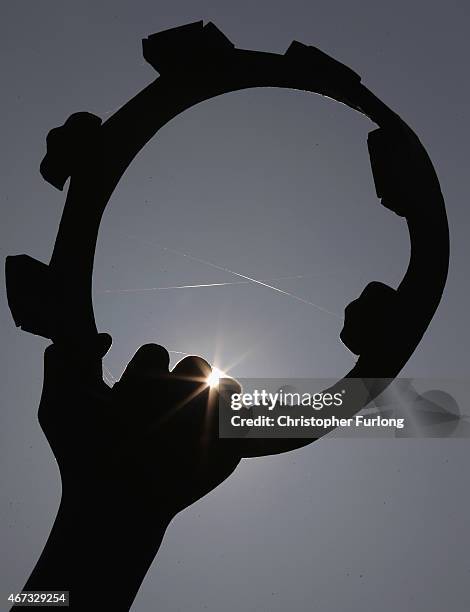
point(248, 278)
point(144, 289)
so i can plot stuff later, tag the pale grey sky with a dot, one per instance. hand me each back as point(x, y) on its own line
point(341, 525)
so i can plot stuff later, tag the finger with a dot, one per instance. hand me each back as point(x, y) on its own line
point(77, 357)
point(190, 396)
point(73, 386)
point(228, 389)
point(228, 385)
point(229, 402)
point(191, 388)
point(192, 368)
point(141, 393)
point(150, 361)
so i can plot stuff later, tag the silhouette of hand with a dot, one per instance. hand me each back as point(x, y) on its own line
point(130, 458)
point(150, 444)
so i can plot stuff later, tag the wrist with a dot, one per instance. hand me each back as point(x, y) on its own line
point(99, 554)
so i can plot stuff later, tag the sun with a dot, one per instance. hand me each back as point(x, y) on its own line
point(214, 377)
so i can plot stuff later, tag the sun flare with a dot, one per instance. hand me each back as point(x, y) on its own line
point(214, 377)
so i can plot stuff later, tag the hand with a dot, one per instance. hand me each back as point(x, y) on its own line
point(151, 442)
point(130, 458)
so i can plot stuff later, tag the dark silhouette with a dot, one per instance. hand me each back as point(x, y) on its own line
point(134, 455)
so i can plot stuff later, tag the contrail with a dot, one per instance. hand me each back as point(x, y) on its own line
point(194, 286)
point(248, 278)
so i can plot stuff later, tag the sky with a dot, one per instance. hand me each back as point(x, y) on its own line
point(274, 185)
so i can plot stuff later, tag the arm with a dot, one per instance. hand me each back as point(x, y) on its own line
point(99, 559)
